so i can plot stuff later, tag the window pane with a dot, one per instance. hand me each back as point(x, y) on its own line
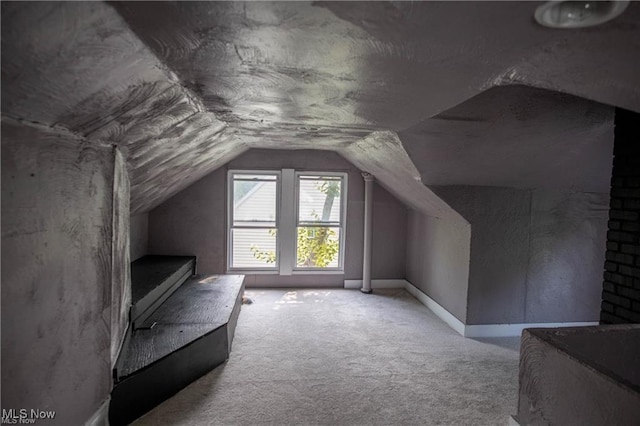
point(253, 248)
point(319, 199)
point(318, 247)
point(254, 202)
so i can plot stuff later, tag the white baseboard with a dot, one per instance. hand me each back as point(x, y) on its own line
point(483, 330)
point(101, 416)
point(376, 283)
point(512, 330)
point(440, 312)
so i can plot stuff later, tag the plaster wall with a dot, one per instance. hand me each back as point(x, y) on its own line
point(193, 221)
point(120, 256)
point(437, 260)
point(63, 286)
point(536, 255)
point(139, 233)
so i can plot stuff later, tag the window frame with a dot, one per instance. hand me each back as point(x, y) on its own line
point(230, 222)
point(286, 180)
point(341, 224)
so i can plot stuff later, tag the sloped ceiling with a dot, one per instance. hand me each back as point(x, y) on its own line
point(183, 87)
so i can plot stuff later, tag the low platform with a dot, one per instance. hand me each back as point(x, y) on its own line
point(153, 280)
point(580, 376)
point(187, 336)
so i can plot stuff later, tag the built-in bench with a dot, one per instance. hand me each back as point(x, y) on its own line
point(177, 340)
point(153, 280)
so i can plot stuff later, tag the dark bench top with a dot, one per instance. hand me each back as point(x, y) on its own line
point(201, 305)
point(150, 271)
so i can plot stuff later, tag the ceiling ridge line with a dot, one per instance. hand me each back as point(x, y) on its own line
point(170, 73)
point(57, 128)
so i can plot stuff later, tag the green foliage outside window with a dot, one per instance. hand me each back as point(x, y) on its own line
point(317, 246)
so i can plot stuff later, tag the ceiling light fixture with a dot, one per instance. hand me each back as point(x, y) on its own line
point(578, 14)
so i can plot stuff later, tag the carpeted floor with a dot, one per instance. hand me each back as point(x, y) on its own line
point(340, 357)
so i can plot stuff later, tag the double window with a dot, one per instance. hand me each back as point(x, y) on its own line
point(286, 221)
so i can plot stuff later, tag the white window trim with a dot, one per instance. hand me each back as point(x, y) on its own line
point(230, 227)
point(342, 225)
point(287, 193)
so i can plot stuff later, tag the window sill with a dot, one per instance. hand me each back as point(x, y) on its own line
point(297, 272)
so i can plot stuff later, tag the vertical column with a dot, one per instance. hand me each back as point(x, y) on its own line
point(368, 230)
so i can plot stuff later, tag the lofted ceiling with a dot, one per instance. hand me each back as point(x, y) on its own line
point(418, 93)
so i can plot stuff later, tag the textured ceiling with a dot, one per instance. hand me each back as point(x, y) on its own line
point(402, 89)
point(516, 136)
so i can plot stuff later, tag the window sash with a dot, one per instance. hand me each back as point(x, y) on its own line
point(316, 176)
point(270, 176)
point(339, 224)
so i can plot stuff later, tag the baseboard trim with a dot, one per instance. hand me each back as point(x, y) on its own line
point(101, 416)
point(434, 307)
point(482, 330)
point(515, 330)
point(392, 283)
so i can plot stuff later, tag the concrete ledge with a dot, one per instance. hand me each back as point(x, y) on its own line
point(101, 416)
point(580, 376)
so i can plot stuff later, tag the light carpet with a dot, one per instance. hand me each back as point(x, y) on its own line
point(340, 357)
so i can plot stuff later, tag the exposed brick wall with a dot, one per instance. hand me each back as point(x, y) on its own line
point(621, 289)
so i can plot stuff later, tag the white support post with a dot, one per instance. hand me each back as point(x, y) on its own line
point(368, 229)
point(287, 229)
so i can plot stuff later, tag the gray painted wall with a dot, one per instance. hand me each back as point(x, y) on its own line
point(389, 231)
point(193, 221)
point(536, 255)
point(139, 236)
point(58, 278)
point(437, 260)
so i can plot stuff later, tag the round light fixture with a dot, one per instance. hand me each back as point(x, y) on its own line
point(578, 14)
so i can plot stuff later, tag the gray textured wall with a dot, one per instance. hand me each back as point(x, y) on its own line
point(193, 221)
point(121, 260)
point(58, 280)
point(536, 255)
point(437, 260)
point(139, 236)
